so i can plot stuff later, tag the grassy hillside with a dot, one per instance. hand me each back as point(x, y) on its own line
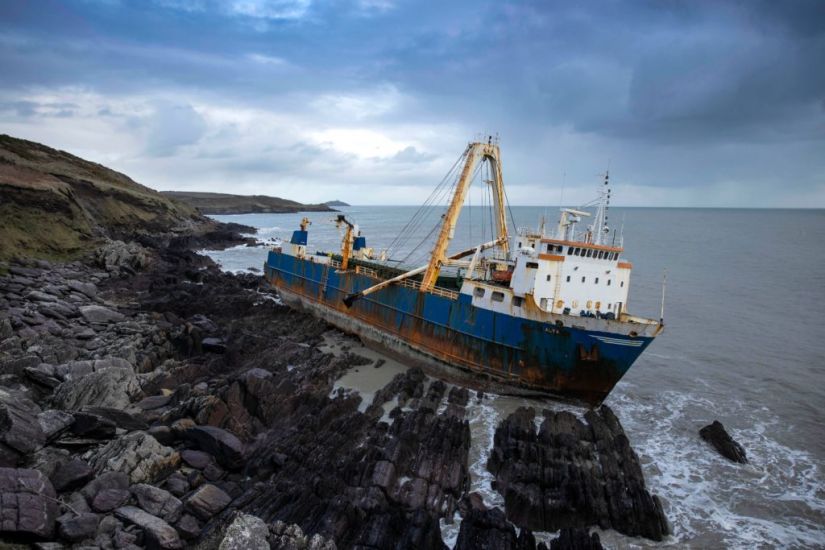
point(57, 205)
point(221, 203)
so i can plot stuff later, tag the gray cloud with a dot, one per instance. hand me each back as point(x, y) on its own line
point(686, 98)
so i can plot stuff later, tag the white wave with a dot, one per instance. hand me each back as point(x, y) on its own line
point(776, 500)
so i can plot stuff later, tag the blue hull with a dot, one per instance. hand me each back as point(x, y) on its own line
point(565, 361)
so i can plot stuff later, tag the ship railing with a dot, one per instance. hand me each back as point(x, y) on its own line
point(438, 291)
point(409, 283)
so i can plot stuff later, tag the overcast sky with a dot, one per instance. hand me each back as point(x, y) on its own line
point(371, 101)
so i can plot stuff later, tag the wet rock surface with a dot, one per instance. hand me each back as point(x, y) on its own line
point(573, 473)
point(715, 434)
point(149, 400)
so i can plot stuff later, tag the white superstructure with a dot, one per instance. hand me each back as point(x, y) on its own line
point(579, 273)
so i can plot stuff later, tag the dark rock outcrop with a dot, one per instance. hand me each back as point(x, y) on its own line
point(718, 437)
point(573, 474)
point(223, 445)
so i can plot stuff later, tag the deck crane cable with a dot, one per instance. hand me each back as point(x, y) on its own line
point(417, 218)
point(421, 247)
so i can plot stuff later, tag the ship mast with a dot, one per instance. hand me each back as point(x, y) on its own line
point(476, 152)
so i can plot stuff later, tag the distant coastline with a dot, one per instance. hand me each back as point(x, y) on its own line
point(224, 203)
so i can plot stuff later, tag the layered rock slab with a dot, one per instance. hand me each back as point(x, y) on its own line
point(573, 474)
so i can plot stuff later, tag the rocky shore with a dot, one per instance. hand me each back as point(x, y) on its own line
point(149, 400)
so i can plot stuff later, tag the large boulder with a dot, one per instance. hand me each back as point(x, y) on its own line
point(716, 435)
point(28, 504)
point(157, 533)
point(245, 532)
point(71, 475)
point(100, 315)
point(110, 387)
point(78, 527)
point(20, 431)
point(158, 502)
point(138, 455)
point(207, 501)
point(223, 445)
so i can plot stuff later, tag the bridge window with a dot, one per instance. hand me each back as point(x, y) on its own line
point(601, 254)
point(497, 296)
point(518, 300)
point(532, 265)
point(478, 292)
point(569, 250)
point(589, 253)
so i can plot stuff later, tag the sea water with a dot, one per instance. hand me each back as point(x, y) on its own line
point(744, 343)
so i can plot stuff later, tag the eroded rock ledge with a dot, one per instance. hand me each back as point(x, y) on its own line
point(573, 474)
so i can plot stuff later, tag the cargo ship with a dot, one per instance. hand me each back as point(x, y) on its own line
point(523, 313)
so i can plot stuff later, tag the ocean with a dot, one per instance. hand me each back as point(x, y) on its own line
point(744, 343)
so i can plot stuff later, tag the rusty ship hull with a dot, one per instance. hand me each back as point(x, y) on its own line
point(444, 330)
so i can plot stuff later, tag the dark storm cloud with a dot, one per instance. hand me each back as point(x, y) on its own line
point(735, 90)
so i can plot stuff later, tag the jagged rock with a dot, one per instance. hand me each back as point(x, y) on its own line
point(54, 423)
point(158, 502)
point(42, 374)
point(120, 418)
point(93, 426)
point(573, 474)
point(87, 289)
point(28, 503)
point(108, 500)
point(138, 455)
point(576, 539)
point(207, 501)
point(213, 345)
point(188, 527)
point(71, 475)
point(153, 402)
point(716, 435)
point(75, 528)
point(223, 445)
point(196, 459)
point(177, 484)
point(20, 432)
point(78, 369)
point(117, 255)
point(48, 459)
point(101, 315)
point(110, 387)
point(245, 532)
point(157, 533)
point(105, 481)
point(489, 528)
point(291, 537)
point(17, 365)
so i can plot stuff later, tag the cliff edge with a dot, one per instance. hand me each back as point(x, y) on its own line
point(55, 205)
